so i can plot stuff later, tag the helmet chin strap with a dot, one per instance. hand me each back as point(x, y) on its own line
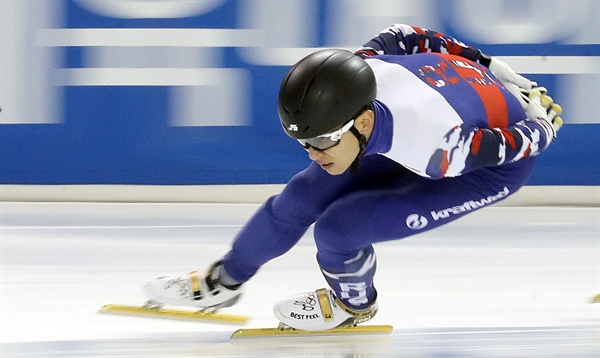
point(362, 141)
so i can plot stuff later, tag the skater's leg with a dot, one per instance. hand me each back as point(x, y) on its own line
point(352, 280)
point(345, 231)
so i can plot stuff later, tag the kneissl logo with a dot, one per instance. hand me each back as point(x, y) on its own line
point(416, 222)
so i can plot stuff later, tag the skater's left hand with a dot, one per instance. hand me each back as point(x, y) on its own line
point(542, 106)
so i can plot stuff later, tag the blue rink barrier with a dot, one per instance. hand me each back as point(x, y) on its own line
point(573, 159)
point(47, 156)
point(186, 94)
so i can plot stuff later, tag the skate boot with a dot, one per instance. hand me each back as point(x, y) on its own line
point(193, 289)
point(318, 311)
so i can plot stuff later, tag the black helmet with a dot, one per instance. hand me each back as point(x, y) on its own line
point(323, 91)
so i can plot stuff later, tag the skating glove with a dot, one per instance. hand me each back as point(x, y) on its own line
point(511, 80)
point(542, 106)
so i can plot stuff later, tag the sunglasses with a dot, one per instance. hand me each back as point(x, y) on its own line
point(327, 140)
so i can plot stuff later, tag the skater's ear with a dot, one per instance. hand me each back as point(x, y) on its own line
point(365, 122)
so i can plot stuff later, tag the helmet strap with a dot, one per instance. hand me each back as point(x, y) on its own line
point(362, 141)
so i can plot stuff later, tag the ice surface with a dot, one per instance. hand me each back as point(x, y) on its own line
point(501, 282)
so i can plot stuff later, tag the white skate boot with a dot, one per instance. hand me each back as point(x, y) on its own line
point(318, 311)
point(193, 289)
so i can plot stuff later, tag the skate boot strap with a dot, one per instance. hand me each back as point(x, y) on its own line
point(196, 282)
point(325, 303)
point(196, 285)
point(360, 316)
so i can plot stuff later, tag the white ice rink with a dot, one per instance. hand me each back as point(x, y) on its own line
point(501, 282)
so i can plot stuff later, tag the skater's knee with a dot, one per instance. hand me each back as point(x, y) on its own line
point(332, 234)
point(343, 226)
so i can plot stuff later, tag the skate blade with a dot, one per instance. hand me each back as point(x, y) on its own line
point(290, 332)
point(169, 313)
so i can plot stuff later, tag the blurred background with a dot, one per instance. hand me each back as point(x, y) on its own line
point(184, 93)
point(169, 108)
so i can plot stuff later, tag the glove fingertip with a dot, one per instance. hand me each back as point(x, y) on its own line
point(558, 122)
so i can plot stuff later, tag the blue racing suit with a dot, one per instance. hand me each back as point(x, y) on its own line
point(448, 139)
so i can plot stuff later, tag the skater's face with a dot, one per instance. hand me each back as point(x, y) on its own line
point(337, 159)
